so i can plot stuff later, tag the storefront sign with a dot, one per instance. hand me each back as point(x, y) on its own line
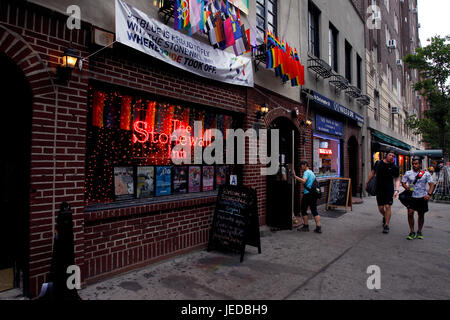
point(326, 151)
point(333, 105)
point(135, 29)
point(329, 125)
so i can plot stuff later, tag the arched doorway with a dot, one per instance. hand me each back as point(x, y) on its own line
point(282, 194)
point(353, 163)
point(15, 139)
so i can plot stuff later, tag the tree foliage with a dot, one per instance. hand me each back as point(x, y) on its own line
point(433, 64)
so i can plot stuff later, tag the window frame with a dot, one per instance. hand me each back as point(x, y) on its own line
point(264, 5)
point(313, 30)
point(333, 47)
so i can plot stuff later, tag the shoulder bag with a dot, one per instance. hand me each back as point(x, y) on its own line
point(405, 196)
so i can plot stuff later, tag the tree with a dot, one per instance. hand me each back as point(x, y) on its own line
point(433, 64)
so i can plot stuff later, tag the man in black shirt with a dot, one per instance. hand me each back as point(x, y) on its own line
point(386, 171)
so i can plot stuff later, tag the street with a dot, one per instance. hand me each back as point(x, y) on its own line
point(306, 266)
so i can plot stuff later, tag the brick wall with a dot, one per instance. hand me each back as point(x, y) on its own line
point(116, 240)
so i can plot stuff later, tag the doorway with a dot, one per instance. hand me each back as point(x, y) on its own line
point(353, 164)
point(282, 193)
point(15, 137)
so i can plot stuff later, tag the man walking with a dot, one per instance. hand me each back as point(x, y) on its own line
point(386, 171)
point(308, 200)
point(416, 180)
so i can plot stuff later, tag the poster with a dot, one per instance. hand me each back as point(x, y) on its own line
point(163, 181)
point(145, 182)
point(208, 178)
point(180, 180)
point(221, 175)
point(123, 183)
point(194, 178)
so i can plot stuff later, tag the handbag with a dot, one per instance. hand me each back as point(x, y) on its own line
point(406, 196)
point(372, 186)
point(315, 189)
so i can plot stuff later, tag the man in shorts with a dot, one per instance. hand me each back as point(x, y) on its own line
point(420, 196)
point(386, 171)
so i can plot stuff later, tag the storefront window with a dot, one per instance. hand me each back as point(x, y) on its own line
point(130, 145)
point(327, 157)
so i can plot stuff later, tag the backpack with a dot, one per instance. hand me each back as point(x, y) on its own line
point(315, 189)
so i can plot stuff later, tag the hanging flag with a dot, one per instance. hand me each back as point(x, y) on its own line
point(219, 29)
point(181, 14)
point(150, 116)
point(125, 113)
point(195, 16)
point(98, 105)
point(229, 35)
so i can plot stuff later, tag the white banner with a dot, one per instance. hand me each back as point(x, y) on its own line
point(135, 29)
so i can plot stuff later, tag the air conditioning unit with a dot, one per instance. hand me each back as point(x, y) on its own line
point(418, 25)
point(411, 39)
point(394, 110)
point(414, 10)
point(392, 44)
point(399, 62)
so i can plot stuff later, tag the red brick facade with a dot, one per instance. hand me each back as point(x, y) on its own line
point(109, 241)
point(112, 241)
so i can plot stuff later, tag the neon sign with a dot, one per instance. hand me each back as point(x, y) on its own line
point(143, 134)
point(325, 151)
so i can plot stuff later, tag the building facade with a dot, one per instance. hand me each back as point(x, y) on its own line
point(393, 33)
point(83, 143)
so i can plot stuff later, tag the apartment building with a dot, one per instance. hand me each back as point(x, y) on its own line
point(392, 33)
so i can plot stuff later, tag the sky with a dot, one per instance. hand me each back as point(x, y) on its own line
point(434, 19)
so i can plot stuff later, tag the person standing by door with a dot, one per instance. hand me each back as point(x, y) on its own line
point(308, 200)
point(386, 172)
point(418, 180)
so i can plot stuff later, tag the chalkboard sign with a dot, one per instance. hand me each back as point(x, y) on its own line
point(235, 221)
point(339, 195)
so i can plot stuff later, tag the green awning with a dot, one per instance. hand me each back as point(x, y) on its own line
point(392, 141)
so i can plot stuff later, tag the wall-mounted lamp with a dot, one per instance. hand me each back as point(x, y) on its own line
point(295, 113)
point(263, 110)
point(306, 123)
point(69, 62)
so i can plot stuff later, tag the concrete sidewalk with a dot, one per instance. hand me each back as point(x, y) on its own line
point(295, 265)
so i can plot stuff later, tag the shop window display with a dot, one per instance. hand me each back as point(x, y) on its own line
point(130, 145)
point(327, 157)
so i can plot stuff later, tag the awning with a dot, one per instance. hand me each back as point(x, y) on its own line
point(392, 141)
point(382, 147)
point(428, 153)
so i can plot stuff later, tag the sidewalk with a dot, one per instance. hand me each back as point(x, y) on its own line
point(295, 265)
point(304, 266)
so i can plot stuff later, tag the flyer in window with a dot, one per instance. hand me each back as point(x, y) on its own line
point(180, 184)
point(194, 178)
point(221, 175)
point(163, 181)
point(208, 178)
point(145, 182)
point(123, 183)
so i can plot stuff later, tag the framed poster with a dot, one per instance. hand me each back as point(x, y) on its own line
point(221, 175)
point(194, 178)
point(145, 182)
point(163, 181)
point(123, 183)
point(208, 178)
point(180, 183)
